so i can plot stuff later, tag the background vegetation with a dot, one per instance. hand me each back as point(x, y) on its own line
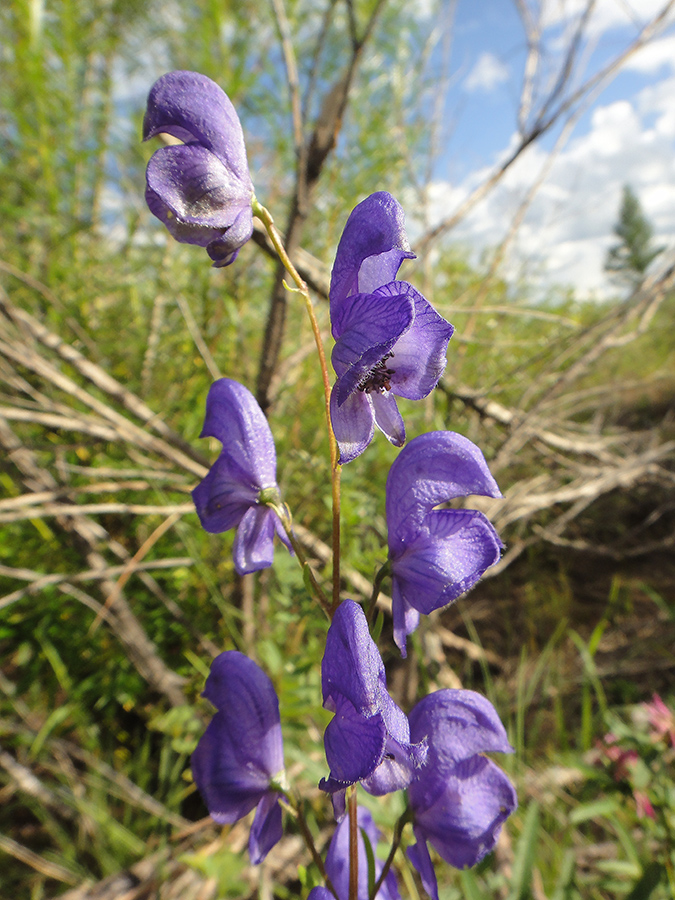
point(113, 601)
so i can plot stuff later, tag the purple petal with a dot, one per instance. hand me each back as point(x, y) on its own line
point(254, 544)
point(418, 855)
point(223, 497)
point(352, 667)
point(396, 770)
point(219, 769)
point(196, 187)
point(266, 829)
point(224, 249)
point(465, 821)
point(235, 419)
point(320, 893)
point(460, 799)
point(220, 502)
point(353, 424)
point(191, 107)
point(388, 418)
point(241, 749)
point(458, 724)
point(189, 233)
point(433, 468)
point(354, 744)
point(449, 555)
point(406, 618)
point(371, 249)
point(420, 353)
point(240, 689)
point(371, 327)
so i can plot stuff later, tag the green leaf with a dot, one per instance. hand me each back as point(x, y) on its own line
point(59, 715)
point(623, 868)
point(566, 876)
point(470, 886)
point(377, 627)
point(524, 855)
point(370, 856)
point(593, 810)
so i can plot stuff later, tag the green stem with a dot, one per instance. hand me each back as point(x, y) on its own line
point(377, 584)
point(287, 521)
point(267, 220)
point(295, 808)
point(405, 817)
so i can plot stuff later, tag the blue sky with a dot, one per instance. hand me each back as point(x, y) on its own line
point(627, 135)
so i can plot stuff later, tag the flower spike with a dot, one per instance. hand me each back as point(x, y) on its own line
point(200, 189)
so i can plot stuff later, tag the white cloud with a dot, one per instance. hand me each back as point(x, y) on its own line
point(607, 15)
point(568, 227)
point(650, 58)
point(487, 73)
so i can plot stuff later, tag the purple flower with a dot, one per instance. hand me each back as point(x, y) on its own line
point(460, 799)
point(389, 339)
point(201, 189)
point(368, 740)
point(239, 759)
point(337, 863)
point(436, 554)
point(242, 481)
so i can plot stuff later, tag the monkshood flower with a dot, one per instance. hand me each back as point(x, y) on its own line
point(239, 763)
point(389, 340)
point(200, 189)
point(242, 481)
point(368, 739)
point(337, 863)
point(436, 554)
point(459, 799)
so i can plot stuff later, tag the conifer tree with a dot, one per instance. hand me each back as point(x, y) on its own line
point(628, 260)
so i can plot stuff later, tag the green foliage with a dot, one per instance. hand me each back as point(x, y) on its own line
point(629, 259)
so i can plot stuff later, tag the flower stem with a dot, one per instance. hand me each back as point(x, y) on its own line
point(405, 817)
point(265, 217)
point(296, 809)
point(353, 843)
point(377, 584)
point(282, 510)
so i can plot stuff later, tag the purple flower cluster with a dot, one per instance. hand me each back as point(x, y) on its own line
point(436, 554)
point(201, 188)
point(389, 342)
point(241, 484)
point(368, 740)
point(239, 762)
point(459, 799)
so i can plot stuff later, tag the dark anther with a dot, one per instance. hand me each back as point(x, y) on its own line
point(379, 377)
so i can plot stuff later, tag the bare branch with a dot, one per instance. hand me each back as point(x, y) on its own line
point(292, 79)
point(543, 122)
point(100, 379)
